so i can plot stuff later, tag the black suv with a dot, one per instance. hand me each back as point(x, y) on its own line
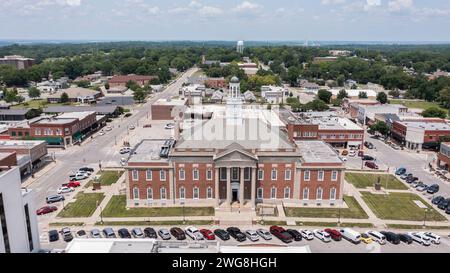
point(444, 204)
point(433, 189)
point(391, 237)
point(437, 200)
point(178, 233)
point(53, 236)
point(295, 234)
point(237, 234)
point(124, 233)
point(368, 158)
point(222, 234)
point(150, 233)
point(405, 238)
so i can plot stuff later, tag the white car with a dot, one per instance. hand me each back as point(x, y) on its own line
point(131, 127)
point(434, 238)
point(307, 234)
point(377, 237)
point(84, 173)
point(170, 126)
point(420, 238)
point(252, 235)
point(123, 161)
point(194, 233)
point(343, 158)
point(264, 234)
point(102, 133)
point(322, 235)
point(108, 128)
point(63, 190)
point(352, 154)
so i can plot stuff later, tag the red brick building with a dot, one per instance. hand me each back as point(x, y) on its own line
point(216, 83)
point(421, 133)
point(123, 80)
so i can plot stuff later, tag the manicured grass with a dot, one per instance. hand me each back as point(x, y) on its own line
point(334, 224)
point(365, 180)
point(273, 223)
point(38, 104)
point(400, 206)
point(157, 223)
point(416, 227)
point(68, 224)
point(417, 104)
point(354, 211)
point(84, 206)
point(107, 178)
point(117, 208)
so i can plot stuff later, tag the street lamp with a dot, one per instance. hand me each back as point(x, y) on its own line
point(184, 216)
point(339, 216)
point(425, 217)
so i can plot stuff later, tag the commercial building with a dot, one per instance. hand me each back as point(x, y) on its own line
point(75, 94)
point(274, 94)
point(216, 83)
point(164, 109)
point(443, 157)
point(237, 156)
point(351, 106)
point(355, 93)
point(194, 93)
point(19, 229)
point(123, 80)
point(103, 110)
point(13, 114)
point(19, 62)
point(325, 126)
point(420, 134)
point(30, 155)
point(366, 113)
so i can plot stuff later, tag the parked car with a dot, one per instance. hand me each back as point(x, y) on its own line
point(123, 161)
point(322, 235)
point(252, 235)
point(344, 152)
point(164, 234)
point(307, 234)
point(131, 127)
point(351, 235)
point(368, 158)
point(169, 126)
point(343, 158)
point(433, 189)
point(109, 233)
point(400, 171)
point(412, 180)
point(86, 169)
point(63, 190)
point(147, 126)
point(124, 233)
point(352, 154)
point(365, 238)
point(178, 233)
point(137, 233)
point(150, 233)
point(295, 234)
point(236, 233)
point(434, 238)
point(53, 236)
point(194, 233)
point(264, 234)
point(222, 234)
point(66, 234)
point(436, 200)
point(281, 234)
point(422, 187)
point(444, 204)
point(54, 198)
point(447, 210)
point(78, 176)
point(46, 210)
point(72, 184)
point(208, 234)
point(377, 237)
point(406, 175)
point(369, 145)
point(371, 165)
point(420, 238)
point(81, 234)
point(405, 238)
point(108, 128)
point(391, 237)
point(334, 234)
point(125, 150)
point(416, 185)
point(95, 233)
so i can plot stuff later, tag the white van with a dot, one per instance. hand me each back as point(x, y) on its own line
point(420, 238)
point(322, 235)
point(351, 235)
point(377, 237)
point(434, 238)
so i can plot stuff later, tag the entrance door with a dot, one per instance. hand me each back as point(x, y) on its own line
point(235, 195)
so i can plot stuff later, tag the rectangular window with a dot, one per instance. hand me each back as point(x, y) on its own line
point(235, 174)
point(149, 175)
point(320, 175)
point(135, 175)
point(150, 194)
point(195, 174)
point(247, 173)
point(30, 234)
point(37, 132)
point(182, 193)
point(209, 175)
point(305, 194)
point(306, 175)
point(260, 193)
point(334, 176)
point(209, 194)
point(273, 193)
point(136, 194)
point(287, 174)
point(181, 174)
point(260, 174)
point(163, 193)
point(196, 193)
point(162, 175)
point(4, 226)
point(287, 193)
point(274, 174)
point(223, 174)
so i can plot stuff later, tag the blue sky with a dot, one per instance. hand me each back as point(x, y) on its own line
point(341, 20)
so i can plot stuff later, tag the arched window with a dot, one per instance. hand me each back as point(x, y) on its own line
point(306, 194)
point(273, 193)
point(196, 193)
point(319, 193)
point(136, 193)
point(149, 194)
point(163, 194)
point(287, 193)
point(260, 193)
point(333, 194)
point(182, 193)
point(209, 193)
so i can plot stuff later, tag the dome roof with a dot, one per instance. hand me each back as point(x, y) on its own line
point(234, 80)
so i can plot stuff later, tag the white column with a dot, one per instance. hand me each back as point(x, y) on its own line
point(241, 185)
point(228, 186)
point(253, 188)
point(216, 188)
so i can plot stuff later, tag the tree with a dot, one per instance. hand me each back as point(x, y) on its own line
point(83, 84)
point(132, 85)
point(107, 86)
point(342, 94)
point(139, 95)
point(315, 105)
point(64, 98)
point(324, 95)
point(394, 93)
point(34, 93)
point(434, 112)
point(10, 96)
point(380, 127)
point(444, 97)
point(362, 95)
point(382, 98)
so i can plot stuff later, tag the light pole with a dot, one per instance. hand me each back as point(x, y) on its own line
point(339, 216)
point(425, 217)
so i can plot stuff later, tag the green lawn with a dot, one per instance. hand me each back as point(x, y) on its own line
point(354, 211)
point(399, 206)
point(117, 208)
point(416, 227)
point(417, 104)
point(67, 224)
point(107, 178)
point(38, 104)
point(84, 206)
point(157, 223)
point(365, 180)
point(334, 224)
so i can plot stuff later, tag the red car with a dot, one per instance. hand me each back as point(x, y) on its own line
point(371, 165)
point(281, 234)
point(72, 184)
point(334, 234)
point(46, 210)
point(208, 234)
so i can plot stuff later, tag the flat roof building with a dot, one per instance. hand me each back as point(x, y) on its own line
point(17, 61)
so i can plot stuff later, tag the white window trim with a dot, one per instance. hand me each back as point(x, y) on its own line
point(209, 190)
point(209, 174)
point(262, 193)
point(198, 193)
point(333, 198)
point(271, 174)
point(286, 176)
point(161, 176)
point(260, 174)
point(309, 175)
point(194, 176)
point(182, 196)
point(135, 175)
point(321, 194)
point(271, 191)
point(135, 190)
point(147, 178)
point(181, 177)
point(151, 190)
point(318, 175)
point(288, 193)
point(334, 175)
point(165, 193)
point(307, 195)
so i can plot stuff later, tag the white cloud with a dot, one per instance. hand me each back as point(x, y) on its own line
point(210, 11)
point(332, 2)
point(400, 5)
point(247, 6)
point(372, 4)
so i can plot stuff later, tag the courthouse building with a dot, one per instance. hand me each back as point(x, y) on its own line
point(238, 156)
